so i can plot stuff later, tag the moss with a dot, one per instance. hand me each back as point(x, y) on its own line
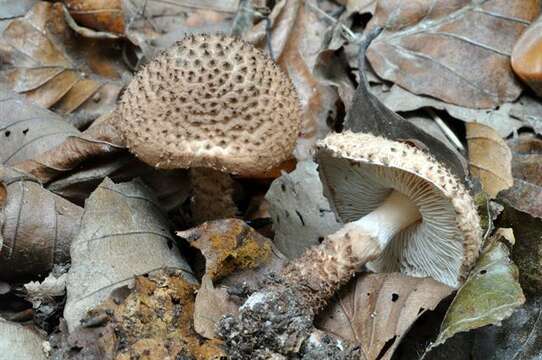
point(155, 321)
point(237, 248)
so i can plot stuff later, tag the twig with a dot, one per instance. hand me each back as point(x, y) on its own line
point(446, 130)
point(347, 32)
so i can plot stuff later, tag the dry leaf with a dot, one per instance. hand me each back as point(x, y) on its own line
point(99, 140)
point(211, 304)
point(229, 246)
point(369, 115)
point(529, 110)
point(301, 214)
point(47, 62)
point(458, 52)
point(36, 227)
point(19, 342)
point(13, 9)
point(526, 194)
point(123, 234)
point(527, 57)
point(101, 15)
point(297, 38)
point(501, 120)
point(489, 295)
point(489, 159)
point(28, 130)
point(527, 252)
point(377, 310)
point(153, 24)
point(171, 187)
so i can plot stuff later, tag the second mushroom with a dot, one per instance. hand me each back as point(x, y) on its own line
point(403, 211)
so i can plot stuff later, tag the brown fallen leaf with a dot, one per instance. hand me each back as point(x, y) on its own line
point(458, 52)
point(229, 246)
point(171, 187)
point(490, 159)
point(102, 15)
point(296, 38)
point(211, 304)
point(377, 310)
point(48, 63)
point(154, 24)
point(97, 141)
point(526, 194)
point(527, 56)
point(27, 130)
point(36, 227)
point(123, 234)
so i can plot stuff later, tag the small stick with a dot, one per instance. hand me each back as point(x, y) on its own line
point(446, 130)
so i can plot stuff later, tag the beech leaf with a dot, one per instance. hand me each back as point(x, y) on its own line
point(490, 159)
point(451, 51)
point(489, 295)
point(301, 214)
point(36, 227)
point(26, 129)
point(123, 234)
point(48, 63)
point(502, 120)
point(377, 310)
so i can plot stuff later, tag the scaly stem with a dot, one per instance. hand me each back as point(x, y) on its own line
point(323, 269)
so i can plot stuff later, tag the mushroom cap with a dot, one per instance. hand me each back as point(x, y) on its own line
point(360, 171)
point(211, 101)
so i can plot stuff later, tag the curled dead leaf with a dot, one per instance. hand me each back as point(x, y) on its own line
point(526, 194)
point(97, 141)
point(490, 159)
point(37, 227)
point(377, 310)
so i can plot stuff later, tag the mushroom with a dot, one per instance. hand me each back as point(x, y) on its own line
point(210, 101)
point(403, 211)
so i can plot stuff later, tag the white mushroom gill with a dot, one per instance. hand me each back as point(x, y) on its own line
point(413, 221)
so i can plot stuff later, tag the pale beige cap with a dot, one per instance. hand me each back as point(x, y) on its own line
point(211, 101)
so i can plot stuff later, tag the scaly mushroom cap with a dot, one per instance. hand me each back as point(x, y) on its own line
point(211, 101)
point(360, 171)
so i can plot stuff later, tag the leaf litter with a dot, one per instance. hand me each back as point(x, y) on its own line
point(438, 78)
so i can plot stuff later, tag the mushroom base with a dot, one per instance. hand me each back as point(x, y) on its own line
point(279, 318)
point(275, 323)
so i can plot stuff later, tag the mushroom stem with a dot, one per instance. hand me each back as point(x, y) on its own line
point(323, 269)
point(396, 213)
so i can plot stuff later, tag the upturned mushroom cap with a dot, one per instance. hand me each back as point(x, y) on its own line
point(211, 101)
point(361, 170)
